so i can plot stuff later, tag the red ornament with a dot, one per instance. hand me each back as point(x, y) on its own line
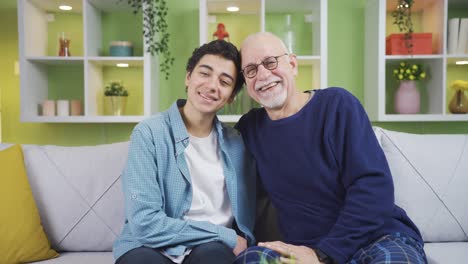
point(221, 32)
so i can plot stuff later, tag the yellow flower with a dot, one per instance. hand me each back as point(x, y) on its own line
point(460, 85)
point(408, 70)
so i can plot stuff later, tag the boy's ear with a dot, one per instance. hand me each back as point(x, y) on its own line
point(187, 78)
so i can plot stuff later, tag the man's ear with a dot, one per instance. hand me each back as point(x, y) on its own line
point(293, 63)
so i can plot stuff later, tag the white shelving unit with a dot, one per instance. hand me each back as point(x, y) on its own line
point(428, 16)
point(42, 71)
point(304, 20)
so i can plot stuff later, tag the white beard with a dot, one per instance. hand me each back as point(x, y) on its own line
point(275, 100)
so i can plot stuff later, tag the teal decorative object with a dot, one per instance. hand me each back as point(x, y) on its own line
point(121, 48)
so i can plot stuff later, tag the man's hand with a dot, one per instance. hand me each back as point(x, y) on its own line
point(240, 246)
point(291, 254)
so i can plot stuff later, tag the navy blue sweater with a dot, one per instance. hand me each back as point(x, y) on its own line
point(326, 174)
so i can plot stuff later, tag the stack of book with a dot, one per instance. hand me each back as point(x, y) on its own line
point(458, 36)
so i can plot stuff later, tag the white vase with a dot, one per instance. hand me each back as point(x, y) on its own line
point(407, 98)
point(115, 105)
point(63, 108)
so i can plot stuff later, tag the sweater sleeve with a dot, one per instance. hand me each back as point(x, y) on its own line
point(364, 174)
point(144, 206)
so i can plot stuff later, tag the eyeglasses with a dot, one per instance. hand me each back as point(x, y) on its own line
point(270, 63)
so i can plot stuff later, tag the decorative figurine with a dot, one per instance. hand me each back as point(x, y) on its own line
point(221, 32)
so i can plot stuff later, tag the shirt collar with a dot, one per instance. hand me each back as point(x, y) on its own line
point(178, 125)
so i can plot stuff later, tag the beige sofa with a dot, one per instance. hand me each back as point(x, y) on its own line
point(78, 193)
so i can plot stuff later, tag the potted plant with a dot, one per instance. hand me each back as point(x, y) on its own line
point(115, 96)
point(402, 19)
point(407, 97)
point(155, 30)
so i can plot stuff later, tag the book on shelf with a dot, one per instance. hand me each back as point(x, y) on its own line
point(457, 36)
point(463, 36)
point(453, 26)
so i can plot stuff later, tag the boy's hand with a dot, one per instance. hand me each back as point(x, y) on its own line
point(240, 246)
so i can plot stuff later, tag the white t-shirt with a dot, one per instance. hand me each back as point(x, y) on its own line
point(210, 200)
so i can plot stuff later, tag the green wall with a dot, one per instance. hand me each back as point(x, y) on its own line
point(345, 69)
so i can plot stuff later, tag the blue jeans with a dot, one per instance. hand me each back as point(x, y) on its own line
point(212, 252)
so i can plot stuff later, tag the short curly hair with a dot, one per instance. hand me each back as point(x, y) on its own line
point(221, 48)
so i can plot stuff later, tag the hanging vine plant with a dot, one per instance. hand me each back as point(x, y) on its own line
point(402, 18)
point(155, 30)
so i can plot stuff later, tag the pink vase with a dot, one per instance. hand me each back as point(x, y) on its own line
point(407, 98)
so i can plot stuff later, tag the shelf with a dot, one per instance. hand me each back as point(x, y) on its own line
point(91, 26)
point(308, 60)
point(113, 61)
point(55, 60)
point(83, 119)
point(411, 57)
point(429, 16)
point(300, 23)
point(424, 118)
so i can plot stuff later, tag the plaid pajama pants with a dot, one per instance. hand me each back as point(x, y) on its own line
point(389, 249)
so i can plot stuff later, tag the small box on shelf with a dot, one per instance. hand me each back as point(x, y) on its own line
point(422, 44)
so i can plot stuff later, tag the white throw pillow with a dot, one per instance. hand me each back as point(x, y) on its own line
point(78, 193)
point(430, 174)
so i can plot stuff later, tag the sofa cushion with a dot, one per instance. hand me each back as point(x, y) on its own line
point(22, 238)
point(447, 252)
point(81, 258)
point(430, 174)
point(78, 193)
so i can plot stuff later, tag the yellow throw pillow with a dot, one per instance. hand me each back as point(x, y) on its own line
point(22, 238)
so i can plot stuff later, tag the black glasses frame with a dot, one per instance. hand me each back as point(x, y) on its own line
point(264, 63)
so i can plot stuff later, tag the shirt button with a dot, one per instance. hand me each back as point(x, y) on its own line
point(134, 196)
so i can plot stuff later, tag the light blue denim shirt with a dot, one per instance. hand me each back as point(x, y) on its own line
point(158, 193)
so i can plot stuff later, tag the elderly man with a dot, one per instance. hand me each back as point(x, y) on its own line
point(322, 167)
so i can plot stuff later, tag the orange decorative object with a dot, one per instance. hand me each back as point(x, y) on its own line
point(422, 44)
point(64, 45)
point(221, 32)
